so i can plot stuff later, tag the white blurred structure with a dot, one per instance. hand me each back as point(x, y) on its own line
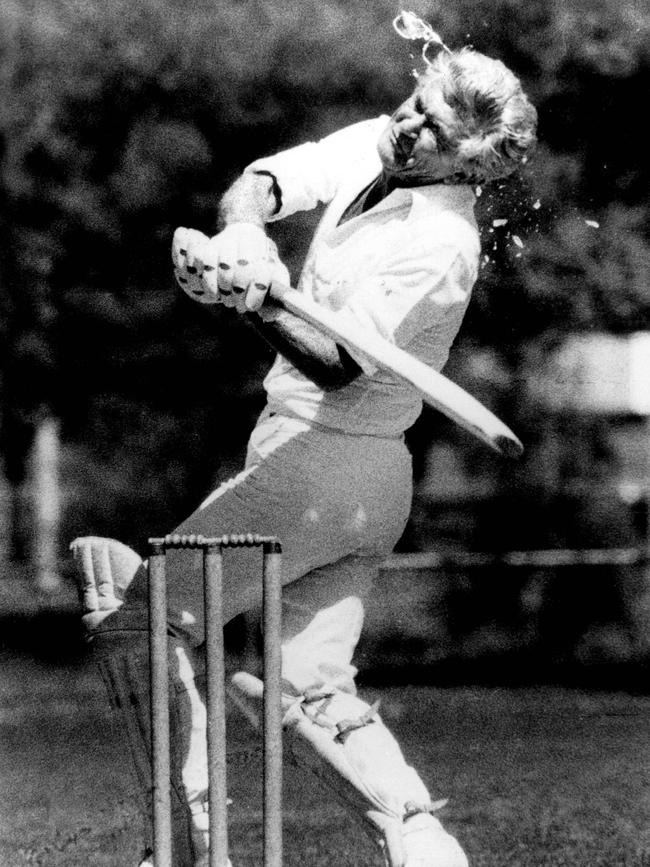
point(46, 503)
point(597, 373)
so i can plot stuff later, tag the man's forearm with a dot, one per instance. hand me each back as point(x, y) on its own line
point(314, 354)
point(253, 198)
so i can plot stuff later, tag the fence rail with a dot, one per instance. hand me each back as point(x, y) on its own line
point(21, 593)
point(549, 558)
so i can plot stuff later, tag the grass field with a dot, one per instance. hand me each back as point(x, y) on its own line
point(535, 777)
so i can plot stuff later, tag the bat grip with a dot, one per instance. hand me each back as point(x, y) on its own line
point(278, 291)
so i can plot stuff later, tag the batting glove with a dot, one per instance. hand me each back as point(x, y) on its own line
point(234, 268)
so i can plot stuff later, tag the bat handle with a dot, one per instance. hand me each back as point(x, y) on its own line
point(277, 291)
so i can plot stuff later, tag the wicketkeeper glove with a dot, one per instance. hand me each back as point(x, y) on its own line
point(105, 568)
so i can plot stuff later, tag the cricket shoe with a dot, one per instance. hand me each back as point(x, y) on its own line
point(427, 844)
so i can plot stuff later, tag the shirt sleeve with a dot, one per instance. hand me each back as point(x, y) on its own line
point(311, 173)
point(416, 303)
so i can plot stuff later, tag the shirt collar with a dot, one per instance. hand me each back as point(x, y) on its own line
point(428, 199)
point(457, 197)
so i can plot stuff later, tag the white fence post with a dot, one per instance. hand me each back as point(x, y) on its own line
point(46, 503)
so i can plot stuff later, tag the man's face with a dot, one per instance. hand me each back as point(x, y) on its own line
point(415, 148)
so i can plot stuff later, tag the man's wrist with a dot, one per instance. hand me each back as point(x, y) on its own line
point(230, 219)
point(251, 199)
point(242, 221)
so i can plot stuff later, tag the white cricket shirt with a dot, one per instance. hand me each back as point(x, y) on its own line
point(404, 269)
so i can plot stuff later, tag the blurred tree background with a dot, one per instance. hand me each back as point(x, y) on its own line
point(123, 120)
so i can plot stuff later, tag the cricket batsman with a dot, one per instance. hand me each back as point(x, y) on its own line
point(327, 469)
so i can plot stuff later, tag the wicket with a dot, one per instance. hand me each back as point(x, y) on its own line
point(212, 549)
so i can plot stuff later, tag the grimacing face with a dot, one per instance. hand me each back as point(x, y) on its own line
point(415, 147)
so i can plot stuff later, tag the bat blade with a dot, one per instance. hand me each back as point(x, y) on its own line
point(434, 388)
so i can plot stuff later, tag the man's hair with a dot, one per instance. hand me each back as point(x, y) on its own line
point(493, 128)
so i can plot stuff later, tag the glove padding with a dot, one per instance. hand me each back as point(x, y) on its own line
point(234, 268)
point(105, 568)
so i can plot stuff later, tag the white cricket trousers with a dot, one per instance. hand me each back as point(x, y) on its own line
point(338, 504)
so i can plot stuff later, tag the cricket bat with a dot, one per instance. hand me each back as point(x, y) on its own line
point(435, 389)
